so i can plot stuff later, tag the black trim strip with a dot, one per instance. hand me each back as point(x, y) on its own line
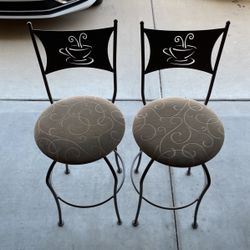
point(44, 7)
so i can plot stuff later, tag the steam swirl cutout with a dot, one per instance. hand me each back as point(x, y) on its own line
point(189, 36)
point(179, 39)
point(82, 36)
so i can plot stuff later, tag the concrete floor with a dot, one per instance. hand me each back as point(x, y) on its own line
point(28, 213)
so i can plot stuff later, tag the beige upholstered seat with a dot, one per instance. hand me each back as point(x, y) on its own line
point(178, 132)
point(79, 130)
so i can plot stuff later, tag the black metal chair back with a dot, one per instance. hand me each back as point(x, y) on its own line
point(181, 49)
point(71, 49)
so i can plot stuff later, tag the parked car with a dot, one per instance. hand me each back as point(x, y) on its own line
point(38, 9)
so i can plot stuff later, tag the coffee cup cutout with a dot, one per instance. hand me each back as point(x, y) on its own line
point(181, 54)
point(78, 53)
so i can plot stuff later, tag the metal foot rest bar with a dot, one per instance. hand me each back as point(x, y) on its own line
point(134, 171)
point(117, 188)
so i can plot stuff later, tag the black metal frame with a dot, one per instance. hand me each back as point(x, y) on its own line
point(116, 189)
point(141, 197)
point(135, 170)
point(118, 159)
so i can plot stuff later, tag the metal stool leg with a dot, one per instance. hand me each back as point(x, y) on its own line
point(208, 182)
point(67, 171)
point(138, 163)
point(135, 221)
point(119, 222)
point(49, 184)
point(189, 172)
point(119, 170)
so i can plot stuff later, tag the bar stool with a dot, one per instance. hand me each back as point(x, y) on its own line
point(174, 131)
point(80, 129)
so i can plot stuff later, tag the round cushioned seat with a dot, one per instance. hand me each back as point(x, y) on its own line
point(178, 132)
point(79, 130)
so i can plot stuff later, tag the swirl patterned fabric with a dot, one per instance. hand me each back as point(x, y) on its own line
point(79, 130)
point(178, 132)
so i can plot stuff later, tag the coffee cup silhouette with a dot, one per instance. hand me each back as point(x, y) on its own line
point(179, 52)
point(78, 53)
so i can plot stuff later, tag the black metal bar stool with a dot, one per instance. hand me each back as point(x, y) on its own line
point(80, 129)
point(174, 131)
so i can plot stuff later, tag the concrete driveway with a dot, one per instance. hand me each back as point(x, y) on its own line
point(28, 216)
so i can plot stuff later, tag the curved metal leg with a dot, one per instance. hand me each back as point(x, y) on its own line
point(119, 170)
point(138, 163)
point(119, 222)
point(49, 184)
point(189, 172)
point(135, 221)
point(67, 171)
point(208, 182)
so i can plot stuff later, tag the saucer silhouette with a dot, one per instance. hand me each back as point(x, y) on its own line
point(83, 61)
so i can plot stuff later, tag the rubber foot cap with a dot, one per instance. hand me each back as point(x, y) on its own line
point(60, 224)
point(195, 225)
point(135, 223)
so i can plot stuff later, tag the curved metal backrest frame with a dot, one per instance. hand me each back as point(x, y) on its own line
point(67, 56)
point(181, 55)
